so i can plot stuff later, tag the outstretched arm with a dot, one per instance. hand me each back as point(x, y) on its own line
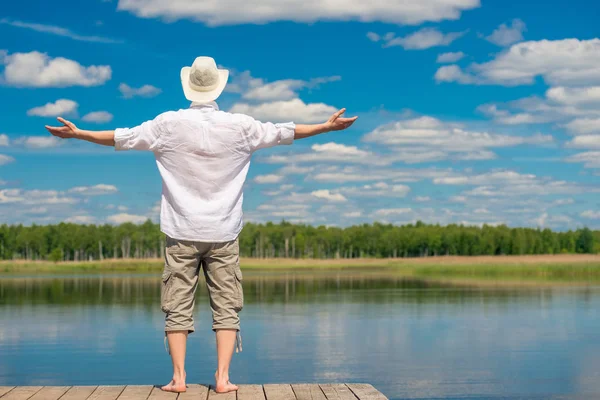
point(70, 131)
point(335, 123)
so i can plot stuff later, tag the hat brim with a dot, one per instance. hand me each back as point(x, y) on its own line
point(202, 97)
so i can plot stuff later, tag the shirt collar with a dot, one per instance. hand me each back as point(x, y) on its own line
point(212, 104)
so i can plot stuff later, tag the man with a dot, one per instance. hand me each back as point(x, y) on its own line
point(203, 156)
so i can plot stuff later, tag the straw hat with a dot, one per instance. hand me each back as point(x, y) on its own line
point(203, 82)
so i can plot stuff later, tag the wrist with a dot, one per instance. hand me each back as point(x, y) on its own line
point(324, 128)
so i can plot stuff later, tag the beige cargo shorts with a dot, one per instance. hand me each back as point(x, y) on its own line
point(221, 265)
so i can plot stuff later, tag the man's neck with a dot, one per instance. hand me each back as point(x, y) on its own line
point(212, 104)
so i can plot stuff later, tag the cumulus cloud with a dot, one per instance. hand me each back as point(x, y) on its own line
point(567, 62)
point(328, 152)
point(591, 214)
point(329, 196)
point(450, 57)
point(96, 190)
point(427, 139)
point(35, 69)
point(589, 159)
point(81, 219)
point(38, 142)
point(379, 189)
point(270, 178)
point(286, 110)
point(419, 40)
point(228, 12)
point(387, 212)
point(129, 92)
point(124, 217)
point(4, 140)
point(585, 142)
point(257, 89)
point(58, 108)
point(58, 31)
point(98, 117)
point(34, 197)
point(4, 159)
point(583, 126)
point(505, 35)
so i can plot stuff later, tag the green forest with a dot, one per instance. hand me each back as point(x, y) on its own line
point(73, 242)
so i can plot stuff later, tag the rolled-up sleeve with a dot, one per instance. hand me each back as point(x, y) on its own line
point(266, 134)
point(143, 137)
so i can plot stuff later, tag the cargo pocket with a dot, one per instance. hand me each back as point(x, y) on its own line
point(166, 291)
point(239, 291)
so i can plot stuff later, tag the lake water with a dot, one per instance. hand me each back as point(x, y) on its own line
point(409, 338)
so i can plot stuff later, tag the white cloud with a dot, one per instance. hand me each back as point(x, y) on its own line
point(422, 199)
point(287, 110)
point(96, 190)
point(129, 92)
point(575, 96)
point(98, 117)
point(38, 142)
point(386, 212)
point(37, 69)
point(34, 197)
point(450, 57)
point(124, 217)
point(379, 189)
point(328, 152)
point(582, 126)
point(229, 12)
point(422, 39)
point(259, 90)
point(58, 31)
point(271, 178)
point(81, 219)
point(427, 139)
point(567, 62)
point(585, 142)
point(373, 37)
point(591, 214)
point(4, 140)
point(327, 195)
point(506, 35)
point(353, 214)
point(58, 108)
point(590, 159)
point(4, 159)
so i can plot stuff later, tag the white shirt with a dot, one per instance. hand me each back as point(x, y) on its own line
point(203, 156)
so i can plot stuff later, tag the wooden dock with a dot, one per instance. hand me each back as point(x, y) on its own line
point(350, 391)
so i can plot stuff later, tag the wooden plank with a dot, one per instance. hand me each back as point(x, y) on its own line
point(50, 393)
point(212, 395)
point(279, 392)
point(79, 393)
point(106, 393)
point(250, 392)
point(158, 394)
point(195, 392)
point(136, 392)
point(337, 391)
point(5, 389)
point(364, 391)
point(21, 392)
point(308, 391)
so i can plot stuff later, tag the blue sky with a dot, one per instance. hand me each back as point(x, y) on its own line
point(470, 111)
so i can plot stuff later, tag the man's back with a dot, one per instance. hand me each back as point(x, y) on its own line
point(203, 156)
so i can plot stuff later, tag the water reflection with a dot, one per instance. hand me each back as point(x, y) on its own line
point(410, 338)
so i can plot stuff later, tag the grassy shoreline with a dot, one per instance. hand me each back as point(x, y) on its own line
point(544, 268)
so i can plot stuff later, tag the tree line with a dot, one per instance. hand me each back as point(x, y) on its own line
point(74, 242)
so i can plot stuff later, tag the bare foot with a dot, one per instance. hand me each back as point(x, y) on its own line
point(225, 387)
point(175, 387)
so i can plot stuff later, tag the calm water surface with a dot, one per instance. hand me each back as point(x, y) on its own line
point(409, 338)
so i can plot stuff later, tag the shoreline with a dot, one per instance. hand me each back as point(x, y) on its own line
point(542, 268)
